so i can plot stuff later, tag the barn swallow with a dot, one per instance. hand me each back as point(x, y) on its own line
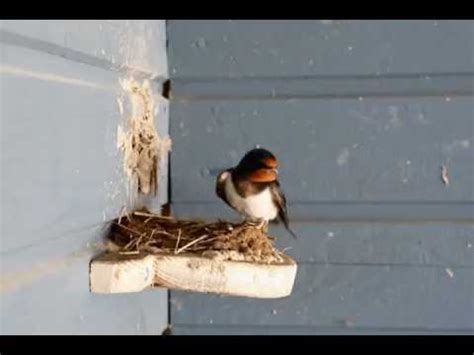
point(252, 188)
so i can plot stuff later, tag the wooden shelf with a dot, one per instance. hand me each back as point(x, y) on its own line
point(115, 273)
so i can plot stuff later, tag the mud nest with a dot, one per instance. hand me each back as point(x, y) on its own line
point(143, 232)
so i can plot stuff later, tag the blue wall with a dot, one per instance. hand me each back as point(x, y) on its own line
point(61, 173)
point(362, 115)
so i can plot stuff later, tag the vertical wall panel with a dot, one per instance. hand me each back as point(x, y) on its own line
point(61, 173)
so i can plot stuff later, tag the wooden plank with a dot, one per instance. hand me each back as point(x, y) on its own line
point(256, 48)
point(116, 44)
point(341, 150)
point(322, 87)
point(379, 244)
point(346, 211)
point(374, 297)
point(112, 273)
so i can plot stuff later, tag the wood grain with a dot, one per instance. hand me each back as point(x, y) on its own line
point(112, 273)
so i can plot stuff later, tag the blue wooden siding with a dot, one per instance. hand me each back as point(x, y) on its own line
point(362, 115)
point(61, 177)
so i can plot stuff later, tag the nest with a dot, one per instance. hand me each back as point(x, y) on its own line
point(144, 232)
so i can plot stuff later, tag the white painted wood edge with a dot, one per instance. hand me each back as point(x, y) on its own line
point(111, 273)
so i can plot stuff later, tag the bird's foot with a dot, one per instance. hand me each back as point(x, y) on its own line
point(253, 223)
point(262, 225)
point(259, 224)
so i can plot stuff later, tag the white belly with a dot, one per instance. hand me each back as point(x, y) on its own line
point(259, 206)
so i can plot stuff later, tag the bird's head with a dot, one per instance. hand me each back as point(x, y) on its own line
point(260, 165)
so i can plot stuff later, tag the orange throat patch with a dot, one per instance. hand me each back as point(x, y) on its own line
point(263, 175)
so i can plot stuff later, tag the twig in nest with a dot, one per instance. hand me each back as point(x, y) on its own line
point(191, 243)
point(144, 214)
point(129, 229)
point(139, 240)
point(177, 241)
point(129, 252)
point(133, 241)
point(213, 238)
point(124, 213)
point(163, 232)
point(148, 220)
point(121, 215)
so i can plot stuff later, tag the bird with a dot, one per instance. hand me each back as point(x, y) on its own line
point(252, 189)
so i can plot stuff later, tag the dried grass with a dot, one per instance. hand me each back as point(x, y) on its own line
point(144, 232)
